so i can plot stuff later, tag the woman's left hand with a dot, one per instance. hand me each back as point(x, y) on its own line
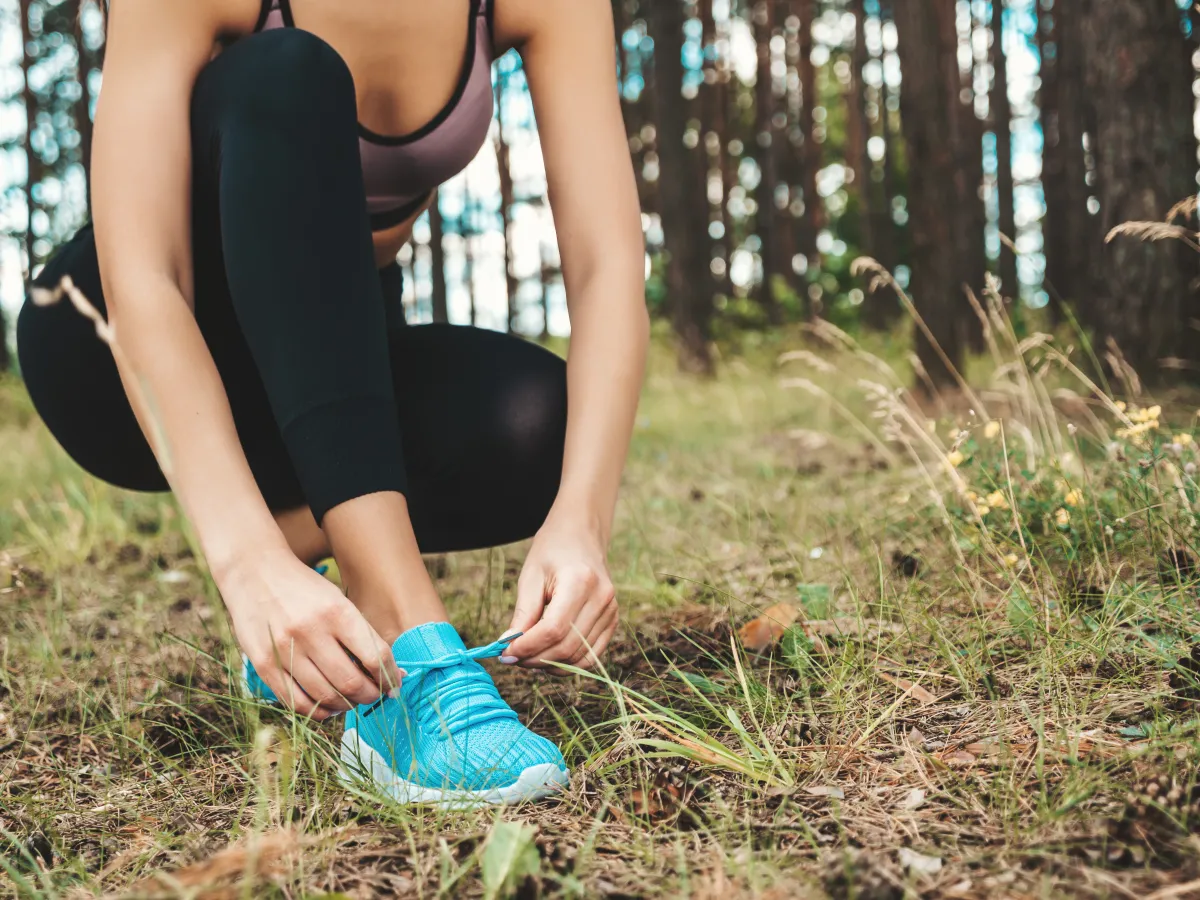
point(566, 603)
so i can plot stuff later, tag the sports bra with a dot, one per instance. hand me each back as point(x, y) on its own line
point(401, 171)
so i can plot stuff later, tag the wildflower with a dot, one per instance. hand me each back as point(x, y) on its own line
point(955, 458)
point(982, 511)
point(1011, 560)
point(1121, 407)
point(1073, 498)
point(1185, 439)
point(1062, 518)
point(1072, 430)
point(991, 429)
point(954, 433)
point(972, 497)
point(997, 500)
point(1137, 430)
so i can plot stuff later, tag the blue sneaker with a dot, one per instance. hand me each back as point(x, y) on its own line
point(449, 739)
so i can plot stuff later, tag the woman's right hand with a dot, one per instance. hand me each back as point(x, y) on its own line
point(300, 632)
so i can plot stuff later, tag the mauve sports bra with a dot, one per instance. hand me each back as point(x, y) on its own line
point(401, 171)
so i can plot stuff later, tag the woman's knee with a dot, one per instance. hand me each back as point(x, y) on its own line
point(285, 76)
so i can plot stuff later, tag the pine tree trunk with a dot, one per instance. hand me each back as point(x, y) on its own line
point(83, 114)
point(33, 160)
point(764, 153)
point(1005, 187)
point(1136, 59)
point(812, 220)
point(682, 209)
point(1055, 234)
point(931, 120)
point(506, 208)
point(437, 261)
point(859, 129)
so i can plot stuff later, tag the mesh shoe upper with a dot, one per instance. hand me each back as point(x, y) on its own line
point(449, 729)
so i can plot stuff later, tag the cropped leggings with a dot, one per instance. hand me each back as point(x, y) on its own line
point(332, 395)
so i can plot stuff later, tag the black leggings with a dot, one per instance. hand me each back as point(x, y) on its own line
point(333, 397)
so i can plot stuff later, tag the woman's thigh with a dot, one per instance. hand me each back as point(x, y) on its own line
point(483, 416)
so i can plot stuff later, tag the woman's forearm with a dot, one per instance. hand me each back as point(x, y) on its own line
point(609, 337)
point(181, 404)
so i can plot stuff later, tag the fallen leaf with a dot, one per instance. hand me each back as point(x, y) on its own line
point(959, 758)
point(913, 690)
point(919, 863)
point(914, 799)
point(759, 634)
point(825, 790)
point(916, 738)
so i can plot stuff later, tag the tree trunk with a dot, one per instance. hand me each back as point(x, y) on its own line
point(812, 220)
point(506, 208)
point(33, 160)
point(1002, 119)
point(713, 137)
point(1055, 234)
point(1135, 59)
point(859, 130)
point(437, 261)
point(689, 289)
point(83, 114)
point(764, 153)
point(929, 64)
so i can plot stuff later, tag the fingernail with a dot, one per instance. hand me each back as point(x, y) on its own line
point(403, 673)
point(394, 693)
point(508, 660)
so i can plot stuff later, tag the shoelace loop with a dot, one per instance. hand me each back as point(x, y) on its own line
point(449, 715)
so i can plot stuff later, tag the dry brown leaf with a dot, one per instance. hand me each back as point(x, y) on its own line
point(958, 758)
point(759, 634)
point(913, 690)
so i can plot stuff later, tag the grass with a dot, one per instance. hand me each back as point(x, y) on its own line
point(975, 677)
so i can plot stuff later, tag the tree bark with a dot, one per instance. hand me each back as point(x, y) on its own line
point(762, 16)
point(812, 220)
point(437, 262)
point(1135, 58)
point(1002, 120)
point(33, 159)
point(684, 224)
point(859, 130)
point(506, 208)
point(931, 121)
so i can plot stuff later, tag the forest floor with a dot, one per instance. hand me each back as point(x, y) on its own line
point(972, 679)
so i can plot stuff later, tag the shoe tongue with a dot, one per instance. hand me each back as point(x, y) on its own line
point(426, 642)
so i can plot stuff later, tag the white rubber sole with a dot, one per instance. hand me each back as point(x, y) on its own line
point(360, 761)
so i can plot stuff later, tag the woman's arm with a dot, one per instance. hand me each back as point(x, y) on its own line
point(286, 618)
point(570, 61)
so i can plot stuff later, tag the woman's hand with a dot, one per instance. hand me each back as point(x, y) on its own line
point(300, 632)
point(566, 604)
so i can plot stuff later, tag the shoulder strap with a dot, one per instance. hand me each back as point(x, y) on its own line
point(264, 11)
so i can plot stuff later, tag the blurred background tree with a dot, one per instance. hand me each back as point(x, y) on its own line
point(774, 142)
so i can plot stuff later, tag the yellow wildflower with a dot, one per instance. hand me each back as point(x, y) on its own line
point(997, 500)
point(1120, 405)
point(1062, 518)
point(955, 458)
point(972, 497)
point(1012, 559)
point(1184, 439)
point(982, 511)
point(991, 429)
point(1137, 430)
point(1073, 498)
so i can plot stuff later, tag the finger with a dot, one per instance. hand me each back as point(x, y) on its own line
point(343, 673)
point(570, 595)
point(581, 656)
point(374, 656)
point(317, 686)
point(531, 602)
point(596, 643)
point(291, 694)
point(581, 628)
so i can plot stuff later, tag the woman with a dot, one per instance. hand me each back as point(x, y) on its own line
point(256, 168)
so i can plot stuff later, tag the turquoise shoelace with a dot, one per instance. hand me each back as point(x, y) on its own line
point(449, 714)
